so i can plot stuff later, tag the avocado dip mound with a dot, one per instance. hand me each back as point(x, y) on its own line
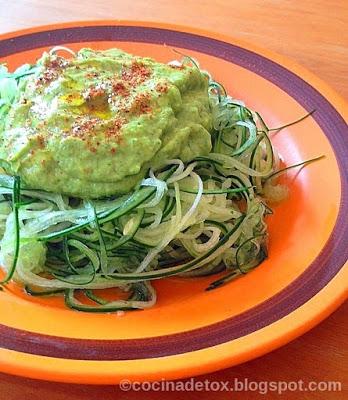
point(92, 125)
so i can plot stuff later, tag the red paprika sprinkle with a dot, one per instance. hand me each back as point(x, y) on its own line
point(94, 92)
point(141, 104)
point(162, 87)
point(120, 89)
point(53, 69)
point(90, 75)
point(175, 66)
point(114, 130)
point(136, 73)
point(83, 126)
point(41, 141)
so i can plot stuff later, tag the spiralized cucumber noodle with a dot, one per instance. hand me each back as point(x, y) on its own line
point(185, 219)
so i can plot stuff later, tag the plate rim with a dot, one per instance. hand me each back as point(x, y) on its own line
point(336, 286)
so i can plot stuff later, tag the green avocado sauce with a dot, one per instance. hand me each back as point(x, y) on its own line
point(92, 126)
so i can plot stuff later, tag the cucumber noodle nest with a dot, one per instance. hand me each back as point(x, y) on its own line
point(193, 219)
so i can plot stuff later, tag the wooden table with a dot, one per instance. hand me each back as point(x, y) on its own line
point(314, 33)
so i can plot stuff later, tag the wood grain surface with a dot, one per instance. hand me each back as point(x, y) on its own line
point(312, 32)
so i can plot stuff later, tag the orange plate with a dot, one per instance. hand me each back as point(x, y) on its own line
point(191, 331)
